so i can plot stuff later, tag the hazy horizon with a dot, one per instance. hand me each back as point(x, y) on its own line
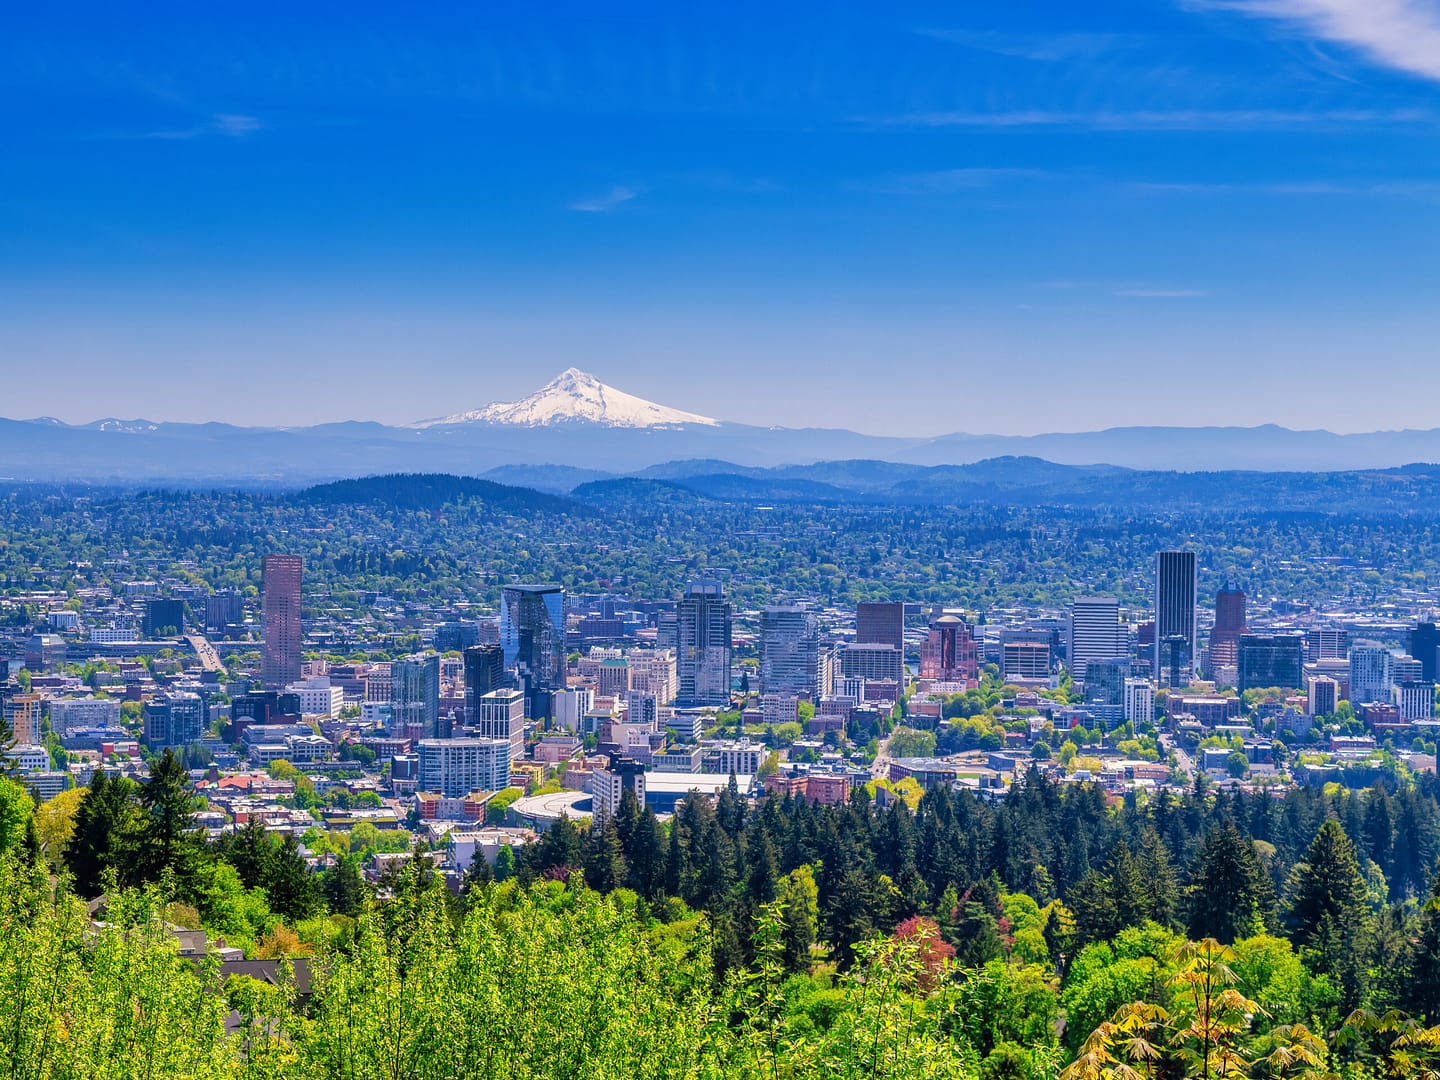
point(425, 421)
point(904, 221)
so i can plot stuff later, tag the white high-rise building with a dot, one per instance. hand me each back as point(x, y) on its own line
point(68, 714)
point(867, 660)
point(1324, 695)
point(570, 707)
point(1415, 700)
point(1369, 674)
point(609, 784)
point(1139, 701)
point(318, 697)
point(415, 693)
point(456, 767)
point(1095, 633)
point(653, 671)
point(502, 716)
point(1403, 669)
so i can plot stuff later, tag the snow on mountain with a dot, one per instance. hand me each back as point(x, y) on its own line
point(575, 395)
point(130, 427)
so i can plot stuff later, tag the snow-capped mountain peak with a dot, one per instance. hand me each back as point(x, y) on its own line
point(572, 396)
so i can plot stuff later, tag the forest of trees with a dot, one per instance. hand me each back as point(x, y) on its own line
point(362, 538)
point(1050, 931)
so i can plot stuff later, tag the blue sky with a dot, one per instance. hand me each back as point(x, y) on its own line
point(898, 218)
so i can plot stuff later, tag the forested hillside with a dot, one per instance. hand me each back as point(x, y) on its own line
point(447, 539)
point(951, 937)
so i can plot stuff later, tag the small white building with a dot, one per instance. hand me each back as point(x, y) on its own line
point(318, 697)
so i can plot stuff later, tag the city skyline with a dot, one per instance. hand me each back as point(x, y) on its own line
point(272, 219)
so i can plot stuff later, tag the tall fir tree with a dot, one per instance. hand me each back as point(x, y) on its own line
point(1423, 992)
point(104, 834)
point(1229, 892)
point(344, 888)
point(168, 841)
point(1162, 891)
point(1328, 884)
point(605, 864)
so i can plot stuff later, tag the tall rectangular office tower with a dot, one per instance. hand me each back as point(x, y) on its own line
point(789, 650)
point(532, 634)
point(1095, 633)
point(484, 672)
point(880, 624)
point(280, 621)
point(415, 695)
point(703, 626)
point(1175, 585)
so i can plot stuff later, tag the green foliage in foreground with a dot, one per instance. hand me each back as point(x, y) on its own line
point(553, 981)
point(557, 980)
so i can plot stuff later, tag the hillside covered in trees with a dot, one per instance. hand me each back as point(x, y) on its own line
point(1050, 933)
point(448, 540)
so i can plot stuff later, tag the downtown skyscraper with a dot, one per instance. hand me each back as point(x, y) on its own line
point(1095, 633)
point(1175, 616)
point(532, 633)
point(280, 621)
point(703, 625)
point(880, 623)
point(1229, 625)
point(484, 668)
point(415, 697)
point(789, 651)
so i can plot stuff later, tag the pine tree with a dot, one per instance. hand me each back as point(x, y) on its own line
point(761, 887)
point(1162, 891)
point(345, 890)
point(1328, 884)
point(799, 898)
point(1423, 993)
point(643, 843)
point(477, 875)
point(849, 916)
point(104, 833)
point(1379, 830)
point(1094, 910)
point(1128, 896)
point(605, 863)
point(249, 850)
point(167, 840)
point(560, 852)
point(1228, 890)
point(31, 850)
point(288, 882)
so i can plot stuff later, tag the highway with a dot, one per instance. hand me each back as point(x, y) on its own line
point(209, 658)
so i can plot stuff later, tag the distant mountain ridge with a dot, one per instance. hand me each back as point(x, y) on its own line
point(999, 483)
point(1017, 482)
point(577, 423)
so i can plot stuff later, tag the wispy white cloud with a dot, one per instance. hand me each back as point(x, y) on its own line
point(946, 181)
point(1148, 293)
point(1161, 120)
point(221, 125)
point(1129, 290)
point(1399, 189)
point(1401, 34)
point(1039, 47)
point(236, 125)
point(604, 204)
